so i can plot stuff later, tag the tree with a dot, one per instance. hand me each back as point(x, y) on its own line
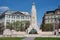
point(27, 23)
point(47, 27)
point(18, 25)
point(9, 25)
point(1, 28)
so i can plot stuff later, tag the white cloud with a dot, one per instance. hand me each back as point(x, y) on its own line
point(4, 8)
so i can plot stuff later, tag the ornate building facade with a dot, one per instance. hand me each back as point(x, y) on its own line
point(52, 17)
point(13, 16)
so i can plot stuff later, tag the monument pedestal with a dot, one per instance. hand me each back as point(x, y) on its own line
point(36, 28)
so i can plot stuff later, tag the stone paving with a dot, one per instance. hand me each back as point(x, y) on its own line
point(29, 35)
point(29, 38)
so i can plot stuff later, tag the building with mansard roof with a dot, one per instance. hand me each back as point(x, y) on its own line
point(52, 17)
point(13, 16)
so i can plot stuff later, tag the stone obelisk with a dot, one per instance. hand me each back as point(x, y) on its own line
point(33, 22)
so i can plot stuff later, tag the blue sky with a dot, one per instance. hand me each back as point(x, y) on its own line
point(25, 5)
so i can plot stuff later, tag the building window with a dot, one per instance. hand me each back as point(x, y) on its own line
point(58, 12)
point(46, 16)
point(13, 21)
point(49, 21)
point(59, 16)
point(18, 17)
point(49, 16)
point(22, 17)
point(7, 20)
point(13, 17)
point(53, 20)
point(7, 16)
point(46, 21)
point(52, 16)
point(27, 17)
point(56, 16)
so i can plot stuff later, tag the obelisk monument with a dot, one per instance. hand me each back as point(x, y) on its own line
point(33, 22)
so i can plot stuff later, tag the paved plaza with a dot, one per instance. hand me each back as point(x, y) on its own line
point(29, 38)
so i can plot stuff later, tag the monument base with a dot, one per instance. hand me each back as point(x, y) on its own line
point(30, 28)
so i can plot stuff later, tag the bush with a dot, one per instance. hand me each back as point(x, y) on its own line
point(47, 27)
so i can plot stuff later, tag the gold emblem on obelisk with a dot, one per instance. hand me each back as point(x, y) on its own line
point(33, 17)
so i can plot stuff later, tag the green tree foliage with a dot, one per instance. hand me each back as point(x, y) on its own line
point(18, 26)
point(1, 28)
point(9, 25)
point(27, 23)
point(47, 27)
